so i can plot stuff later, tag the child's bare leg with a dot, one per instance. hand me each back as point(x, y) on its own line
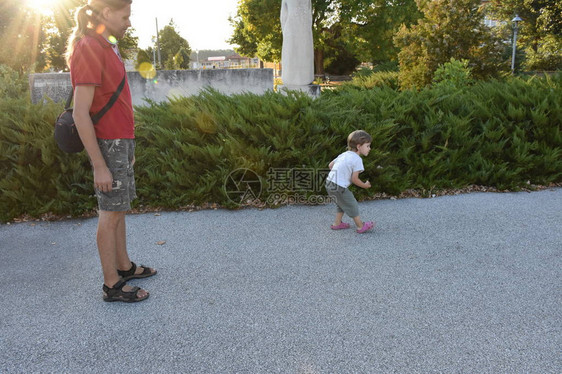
point(339, 217)
point(358, 222)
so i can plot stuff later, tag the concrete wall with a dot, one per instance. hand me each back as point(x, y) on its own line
point(167, 83)
point(53, 85)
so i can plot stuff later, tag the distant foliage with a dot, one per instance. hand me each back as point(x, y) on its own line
point(345, 32)
point(540, 31)
point(21, 36)
point(181, 59)
point(142, 58)
point(449, 29)
point(370, 25)
point(362, 72)
point(387, 66)
point(547, 56)
point(368, 79)
point(172, 44)
point(338, 58)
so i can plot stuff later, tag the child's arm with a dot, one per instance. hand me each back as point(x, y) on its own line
point(356, 181)
point(331, 165)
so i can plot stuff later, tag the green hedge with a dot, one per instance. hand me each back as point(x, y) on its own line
point(501, 134)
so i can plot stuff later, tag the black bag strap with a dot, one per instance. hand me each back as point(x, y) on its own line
point(69, 100)
point(96, 117)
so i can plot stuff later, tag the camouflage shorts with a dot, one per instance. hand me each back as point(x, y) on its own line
point(118, 155)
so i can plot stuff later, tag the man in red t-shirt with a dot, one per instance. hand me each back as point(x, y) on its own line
point(96, 69)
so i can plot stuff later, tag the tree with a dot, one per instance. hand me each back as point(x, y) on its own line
point(372, 24)
point(540, 32)
point(58, 29)
point(128, 44)
point(21, 37)
point(257, 29)
point(551, 18)
point(170, 44)
point(449, 29)
point(57, 43)
point(142, 57)
point(36, 42)
point(344, 31)
point(338, 58)
point(181, 59)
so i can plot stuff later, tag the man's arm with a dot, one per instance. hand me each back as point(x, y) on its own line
point(83, 97)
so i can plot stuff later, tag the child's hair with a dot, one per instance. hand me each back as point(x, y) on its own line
point(87, 18)
point(358, 137)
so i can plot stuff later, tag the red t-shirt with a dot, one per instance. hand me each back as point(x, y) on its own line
point(94, 63)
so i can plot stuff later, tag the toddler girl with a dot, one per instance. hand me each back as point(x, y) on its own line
point(345, 170)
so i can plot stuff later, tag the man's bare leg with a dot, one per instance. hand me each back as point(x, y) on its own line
point(123, 260)
point(111, 238)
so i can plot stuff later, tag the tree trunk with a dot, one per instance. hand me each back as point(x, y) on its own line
point(318, 62)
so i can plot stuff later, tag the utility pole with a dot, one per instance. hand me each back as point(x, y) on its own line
point(158, 46)
point(154, 53)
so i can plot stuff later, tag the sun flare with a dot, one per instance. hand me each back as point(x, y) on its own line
point(44, 7)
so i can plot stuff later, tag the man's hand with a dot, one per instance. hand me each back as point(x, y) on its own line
point(103, 180)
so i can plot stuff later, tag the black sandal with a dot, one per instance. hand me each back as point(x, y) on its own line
point(130, 274)
point(116, 293)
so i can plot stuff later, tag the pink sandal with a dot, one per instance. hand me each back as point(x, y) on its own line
point(366, 227)
point(341, 226)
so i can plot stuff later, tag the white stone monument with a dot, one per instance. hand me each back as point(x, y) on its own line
point(297, 54)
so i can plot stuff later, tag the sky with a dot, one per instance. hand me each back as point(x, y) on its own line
point(203, 23)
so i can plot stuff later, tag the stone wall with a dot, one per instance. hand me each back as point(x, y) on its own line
point(168, 83)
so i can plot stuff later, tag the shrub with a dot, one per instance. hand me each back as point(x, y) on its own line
point(386, 66)
point(453, 73)
point(368, 81)
point(362, 72)
point(502, 134)
point(448, 29)
point(12, 84)
point(547, 56)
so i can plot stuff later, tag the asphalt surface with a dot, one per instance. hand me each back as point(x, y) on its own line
point(454, 284)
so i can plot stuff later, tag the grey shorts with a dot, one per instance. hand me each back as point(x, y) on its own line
point(345, 201)
point(118, 155)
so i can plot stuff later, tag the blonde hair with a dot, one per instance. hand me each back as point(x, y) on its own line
point(358, 137)
point(88, 18)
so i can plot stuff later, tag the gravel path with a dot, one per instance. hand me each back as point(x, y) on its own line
point(455, 284)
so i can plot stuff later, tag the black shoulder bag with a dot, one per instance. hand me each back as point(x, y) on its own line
point(66, 134)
